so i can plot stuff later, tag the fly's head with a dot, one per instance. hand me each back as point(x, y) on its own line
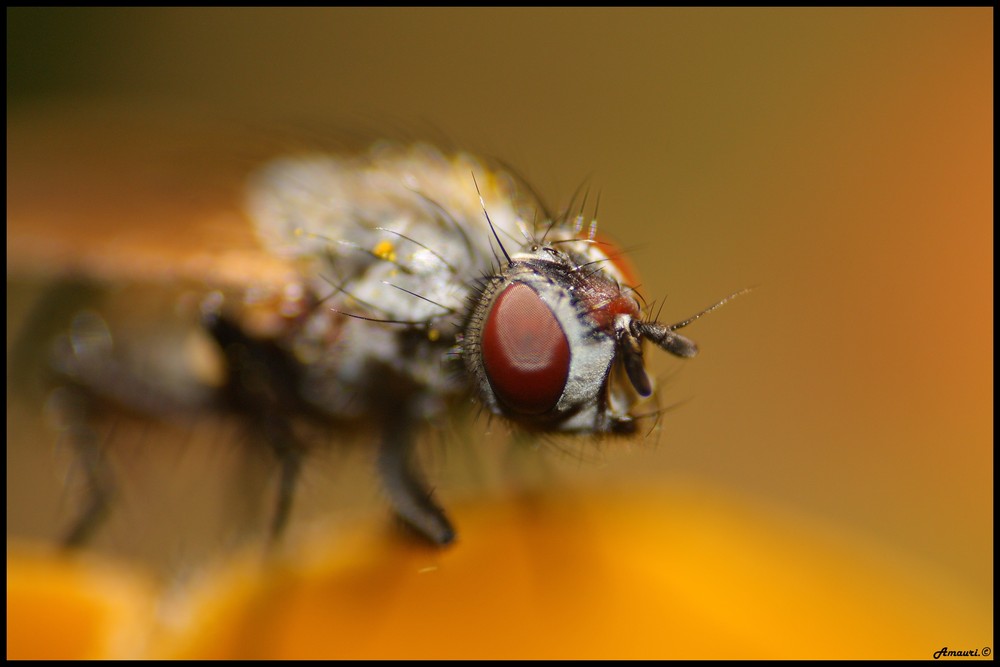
point(554, 340)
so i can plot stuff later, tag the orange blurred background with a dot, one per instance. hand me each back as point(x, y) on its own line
point(840, 160)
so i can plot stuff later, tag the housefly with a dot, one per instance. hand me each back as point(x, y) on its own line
point(386, 288)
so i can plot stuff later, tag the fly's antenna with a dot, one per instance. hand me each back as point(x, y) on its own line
point(720, 304)
point(664, 336)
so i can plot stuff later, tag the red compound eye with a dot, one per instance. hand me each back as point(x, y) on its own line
point(525, 351)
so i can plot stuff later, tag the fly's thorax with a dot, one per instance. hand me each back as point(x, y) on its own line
point(544, 339)
point(410, 211)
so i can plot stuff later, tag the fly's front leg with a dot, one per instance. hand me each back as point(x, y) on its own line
point(410, 497)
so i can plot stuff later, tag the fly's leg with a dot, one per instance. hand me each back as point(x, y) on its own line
point(263, 388)
point(278, 436)
point(410, 497)
point(94, 377)
point(93, 383)
point(289, 455)
point(74, 410)
point(43, 371)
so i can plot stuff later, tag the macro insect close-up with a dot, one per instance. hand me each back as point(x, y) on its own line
point(405, 284)
point(372, 333)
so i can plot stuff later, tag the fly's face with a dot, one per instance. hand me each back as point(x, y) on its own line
point(542, 342)
point(554, 340)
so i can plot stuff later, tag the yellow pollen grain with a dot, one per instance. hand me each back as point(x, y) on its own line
point(384, 250)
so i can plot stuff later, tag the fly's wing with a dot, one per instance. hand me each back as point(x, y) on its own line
point(98, 201)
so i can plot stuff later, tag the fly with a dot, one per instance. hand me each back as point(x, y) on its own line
point(410, 282)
